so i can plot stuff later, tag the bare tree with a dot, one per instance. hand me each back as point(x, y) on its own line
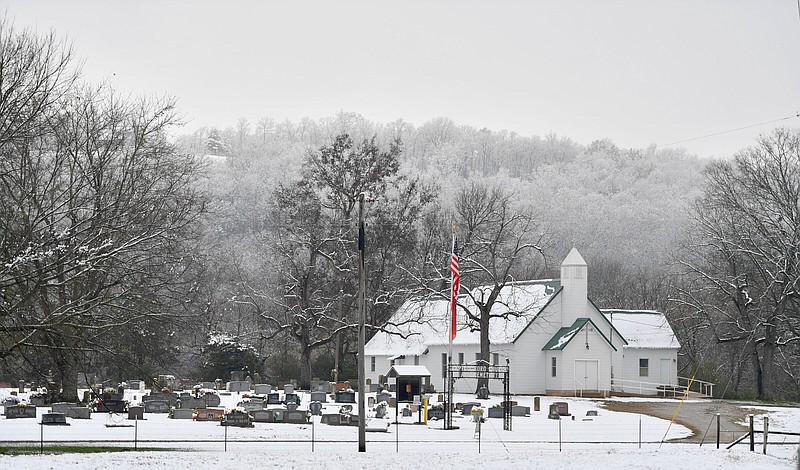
point(744, 259)
point(99, 211)
point(314, 245)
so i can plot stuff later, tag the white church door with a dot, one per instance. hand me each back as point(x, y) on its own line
point(666, 372)
point(586, 374)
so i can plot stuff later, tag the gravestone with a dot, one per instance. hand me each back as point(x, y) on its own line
point(383, 396)
point(262, 416)
point(495, 412)
point(553, 414)
point(256, 378)
point(11, 401)
point(61, 407)
point(237, 376)
point(38, 400)
point(316, 408)
point(238, 386)
point(137, 385)
point(407, 412)
point(348, 396)
point(112, 406)
point(170, 397)
point(483, 393)
point(181, 413)
point(252, 405)
point(518, 410)
point(291, 398)
point(211, 400)
point(591, 413)
point(563, 408)
point(370, 402)
point(192, 403)
point(262, 389)
point(319, 396)
point(288, 389)
point(209, 414)
point(274, 399)
point(321, 386)
point(277, 416)
point(136, 412)
point(20, 411)
point(54, 419)
point(156, 406)
point(219, 384)
point(536, 403)
point(79, 412)
point(466, 408)
point(207, 385)
point(296, 417)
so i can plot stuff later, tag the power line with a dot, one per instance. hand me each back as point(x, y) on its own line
point(731, 130)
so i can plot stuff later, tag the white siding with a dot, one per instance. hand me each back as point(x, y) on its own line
point(599, 350)
point(633, 383)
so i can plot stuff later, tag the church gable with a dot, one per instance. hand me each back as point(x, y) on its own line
point(564, 336)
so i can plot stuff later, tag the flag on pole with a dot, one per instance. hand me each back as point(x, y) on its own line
point(455, 285)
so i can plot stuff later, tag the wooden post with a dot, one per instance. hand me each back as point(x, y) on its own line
point(717, 430)
point(766, 433)
point(752, 435)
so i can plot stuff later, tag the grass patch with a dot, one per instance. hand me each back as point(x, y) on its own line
point(32, 450)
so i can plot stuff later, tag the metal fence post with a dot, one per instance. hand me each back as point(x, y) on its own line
point(752, 435)
point(718, 429)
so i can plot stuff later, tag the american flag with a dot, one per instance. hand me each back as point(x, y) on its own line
point(455, 287)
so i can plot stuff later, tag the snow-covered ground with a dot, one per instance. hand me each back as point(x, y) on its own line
point(610, 439)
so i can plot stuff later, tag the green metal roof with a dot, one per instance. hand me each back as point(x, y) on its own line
point(564, 335)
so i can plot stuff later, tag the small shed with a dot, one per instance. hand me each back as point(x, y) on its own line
point(409, 382)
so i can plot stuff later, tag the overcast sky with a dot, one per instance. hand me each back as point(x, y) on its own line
point(637, 72)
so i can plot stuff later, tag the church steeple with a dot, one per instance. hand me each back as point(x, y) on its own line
point(574, 281)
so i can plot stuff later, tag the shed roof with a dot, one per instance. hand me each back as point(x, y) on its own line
point(408, 371)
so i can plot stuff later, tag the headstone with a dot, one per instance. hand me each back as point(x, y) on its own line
point(136, 412)
point(237, 376)
point(291, 398)
point(383, 396)
point(316, 408)
point(297, 417)
point(219, 384)
point(156, 406)
point(79, 412)
point(209, 414)
point(273, 399)
point(288, 389)
point(495, 412)
point(20, 411)
point(277, 416)
point(518, 410)
point(211, 400)
point(54, 419)
point(262, 389)
point(238, 386)
point(207, 385)
point(553, 413)
point(406, 412)
point(38, 400)
point(563, 408)
point(181, 413)
point(346, 397)
point(61, 407)
point(113, 406)
point(136, 385)
point(11, 401)
point(319, 396)
point(321, 386)
point(370, 402)
point(466, 408)
point(252, 405)
point(261, 416)
point(591, 413)
point(21, 386)
point(256, 378)
point(536, 403)
point(483, 393)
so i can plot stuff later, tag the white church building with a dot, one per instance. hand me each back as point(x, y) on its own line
point(555, 342)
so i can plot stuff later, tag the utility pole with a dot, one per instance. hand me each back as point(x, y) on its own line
point(362, 335)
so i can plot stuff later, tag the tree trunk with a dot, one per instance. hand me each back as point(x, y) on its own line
point(485, 349)
point(305, 368)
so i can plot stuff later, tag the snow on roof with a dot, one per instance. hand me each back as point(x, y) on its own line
point(643, 328)
point(402, 370)
point(424, 322)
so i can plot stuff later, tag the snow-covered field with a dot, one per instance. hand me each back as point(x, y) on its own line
point(615, 440)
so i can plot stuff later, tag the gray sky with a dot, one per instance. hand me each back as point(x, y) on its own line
point(637, 72)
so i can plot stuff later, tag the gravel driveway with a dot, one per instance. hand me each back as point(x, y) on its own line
point(699, 416)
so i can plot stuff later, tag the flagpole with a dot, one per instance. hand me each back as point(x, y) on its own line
point(449, 382)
